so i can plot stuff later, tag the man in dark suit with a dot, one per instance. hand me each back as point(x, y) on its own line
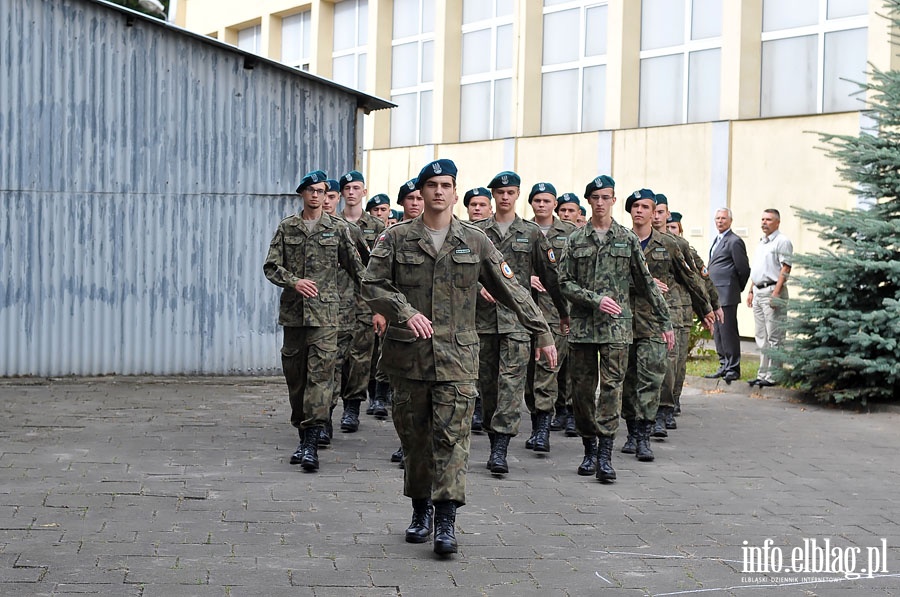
point(729, 269)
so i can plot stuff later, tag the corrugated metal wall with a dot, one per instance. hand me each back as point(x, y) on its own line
point(143, 172)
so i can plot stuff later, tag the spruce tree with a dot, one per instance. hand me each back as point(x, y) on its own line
point(844, 334)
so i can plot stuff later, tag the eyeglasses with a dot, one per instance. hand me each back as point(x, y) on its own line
point(313, 191)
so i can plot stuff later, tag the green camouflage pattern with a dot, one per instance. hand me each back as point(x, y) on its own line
point(699, 267)
point(359, 360)
point(542, 382)
point(557, 236)
point(647, 365)
point(296, 253)
point(502, 365)
point(406, 275)
point(597, 393)
point(433, 421)
point(367, 228)
point(307, 358)
point(591, 268)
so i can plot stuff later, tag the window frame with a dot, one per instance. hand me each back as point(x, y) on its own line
point(421, 86)
point(305, 62)
point(358, 50)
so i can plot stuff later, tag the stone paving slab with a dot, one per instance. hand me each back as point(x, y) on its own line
point(182, 487)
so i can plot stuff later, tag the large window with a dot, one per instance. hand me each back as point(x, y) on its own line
point(573, 79)
point(812, 52)
point(681, 61)
point(295, 38)
point(248, 39)
point(351, 34)
point(486, 93)
point(412, 72)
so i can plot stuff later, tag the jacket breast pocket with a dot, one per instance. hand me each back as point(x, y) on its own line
point(409, 268)
point(466, 268)
point(294, 247)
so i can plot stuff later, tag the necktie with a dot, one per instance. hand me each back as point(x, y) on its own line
point(713, 247)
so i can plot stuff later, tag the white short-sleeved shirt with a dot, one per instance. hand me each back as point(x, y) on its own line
point(772, 252)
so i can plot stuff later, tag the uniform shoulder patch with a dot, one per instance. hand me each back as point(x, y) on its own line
point(551, 255)
point(463, 251)
point(506, 270)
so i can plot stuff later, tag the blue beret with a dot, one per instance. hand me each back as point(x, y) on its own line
point(601, 182)
point(405, 189)
point(637, 196)
point(476, 192)
point(506, 178)
point(353, 175)
point(583, 210)
point(333, 185)
point(567, 198)
point(443, 167)
point(661, 199)
point(379, 199)
point(541, 187)
point(316, 176)
point(673, 216)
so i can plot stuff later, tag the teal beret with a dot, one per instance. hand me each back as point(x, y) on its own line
point(637, 196)
point(476, 192)
point(567, 198)
point(316, 176)
point(673, 216)
point(601, 182)
point(506, 178)
point(541, 187)
point(583, 210)
point(443, 167)
point(661, 199)
point(333, 185)
point(396, 214)
point(351, 176)
point(379, 199)
point(405, 189)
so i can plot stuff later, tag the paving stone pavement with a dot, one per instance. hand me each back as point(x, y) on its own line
point(181, 486)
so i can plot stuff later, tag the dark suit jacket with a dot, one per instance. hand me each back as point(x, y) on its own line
point(729, 268)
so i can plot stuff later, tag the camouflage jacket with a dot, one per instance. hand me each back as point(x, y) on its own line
point(591, 268)
point(691, 301)
point(699, 267)
point(369, 228)
point(407, 276)
point(666, 263)
point(557, 236)
point(351, 304)
point(527, 251)
point(296, 253)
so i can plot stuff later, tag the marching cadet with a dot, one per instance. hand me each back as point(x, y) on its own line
point(379, 207)
point(567, 207)
point(477, 202)
point(424, 278)
point(304, 257)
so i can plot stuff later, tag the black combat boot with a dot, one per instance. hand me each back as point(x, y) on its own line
point(670, 417)
point(529, 443)
point(326, 431)
point(370, 408)
point(630, 446)
point(588, 466)
point(310, 459)
point(658, 429)
point(677, 410)
point(297, 456)
point(559, 420)
point(350, 419)
point(379, 409)
point(422, 520)
point(644, 453)
point(493, 438)
point(497, 461)
point(445, 527)
point(542, 435)
point(605, 471)
point(570, 422)
point(398, 455)
point(478, 416)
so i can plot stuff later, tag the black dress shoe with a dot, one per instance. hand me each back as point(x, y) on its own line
point(730, 377)
point(715, 375)
point(753, 382)
point(764, 383)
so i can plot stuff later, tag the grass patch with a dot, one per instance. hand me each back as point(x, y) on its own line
point(704, 365)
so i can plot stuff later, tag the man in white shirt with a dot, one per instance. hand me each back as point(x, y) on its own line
point(768, 276)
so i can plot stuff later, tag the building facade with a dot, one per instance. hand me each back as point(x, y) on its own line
point(714, 102)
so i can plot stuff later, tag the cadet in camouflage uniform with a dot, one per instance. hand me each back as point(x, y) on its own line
point(542, 387)
point(505, 345)
point(682, 338)
point(600, 266)
point(423, 277)
point(648, 360)
point(358, 368)
point(304, 257)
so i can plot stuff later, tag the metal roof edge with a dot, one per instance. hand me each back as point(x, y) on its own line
point(368, 103)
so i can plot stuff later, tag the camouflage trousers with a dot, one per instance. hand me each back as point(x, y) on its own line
point(542, 381)
point(307, 358)
point(563, 394)
point(344, 337)
point(682, 340)
point(648, 364)
point(597, 390)
point(502, 366)
point(667, 392)
point(358, 367)
point(434, 422)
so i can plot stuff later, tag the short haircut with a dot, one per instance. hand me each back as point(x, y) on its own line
point(726, 210)
point(773, 211)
